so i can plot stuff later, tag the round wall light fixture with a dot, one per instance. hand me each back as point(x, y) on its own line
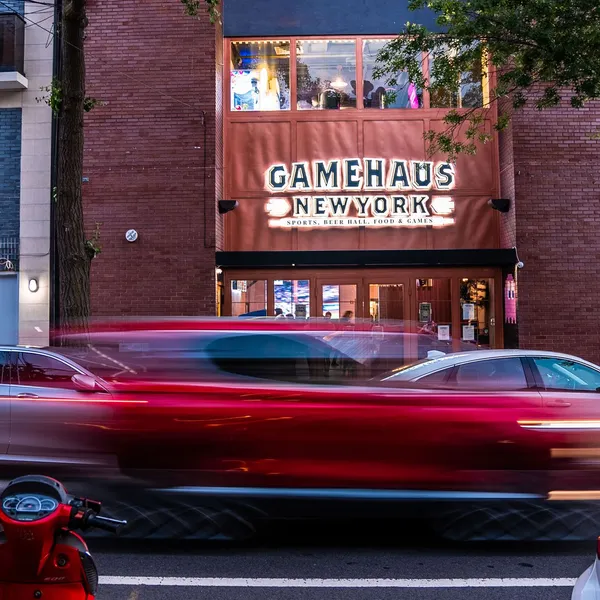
point(34, 285)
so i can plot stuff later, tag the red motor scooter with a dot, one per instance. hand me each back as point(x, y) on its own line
point(41, 556)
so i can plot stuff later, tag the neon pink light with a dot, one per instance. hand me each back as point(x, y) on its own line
point(510, 300)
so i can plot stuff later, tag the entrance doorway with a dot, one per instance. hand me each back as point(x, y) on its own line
point(9, 301)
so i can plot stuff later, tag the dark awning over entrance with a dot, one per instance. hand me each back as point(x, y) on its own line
point(369, 258)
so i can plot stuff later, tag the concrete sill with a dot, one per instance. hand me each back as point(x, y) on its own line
point(13, 81)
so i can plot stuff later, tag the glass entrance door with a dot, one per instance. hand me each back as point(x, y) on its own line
point(386, 302)
point(339, 300)
point(477, 312)
point(434, 315)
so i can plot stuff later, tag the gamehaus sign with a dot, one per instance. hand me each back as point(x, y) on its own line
point(372, 192)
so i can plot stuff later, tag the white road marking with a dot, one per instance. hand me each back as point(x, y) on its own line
point(334, 583)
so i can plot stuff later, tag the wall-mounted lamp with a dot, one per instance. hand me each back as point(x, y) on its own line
point(226, 206)
point(34, 285)
point(500, 204)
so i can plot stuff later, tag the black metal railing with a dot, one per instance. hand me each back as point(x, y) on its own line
point(12, 43)
point(9, 254)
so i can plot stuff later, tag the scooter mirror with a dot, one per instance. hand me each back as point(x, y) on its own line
point(84, 383)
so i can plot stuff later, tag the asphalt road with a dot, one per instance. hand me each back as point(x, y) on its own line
point(376, 561)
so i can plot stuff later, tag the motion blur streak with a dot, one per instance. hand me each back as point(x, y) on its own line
point(87, 401)
point(582, 424)
point(574, 495)
point(575, 452)
point(350, 494)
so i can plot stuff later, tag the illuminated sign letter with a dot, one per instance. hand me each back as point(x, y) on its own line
point(422, 175)
point(379, 206)
point(277, 178)
point(362, 202)
point(399, 205)
point(327, 175)
point(339, 205)
point(444, 176)
point(320, 206)
point(374, 174)
point(299, 177)
point(352, 174)
point(418, 205)
point(399, 179)
point(301, 206)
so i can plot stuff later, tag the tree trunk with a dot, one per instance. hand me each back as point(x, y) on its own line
point(73, 258)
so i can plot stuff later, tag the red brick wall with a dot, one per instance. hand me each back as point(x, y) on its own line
point(557, 195)
point(146, 159)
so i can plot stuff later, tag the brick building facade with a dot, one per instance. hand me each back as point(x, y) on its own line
point(549, 165)
point(151, 157)
point(167, 146)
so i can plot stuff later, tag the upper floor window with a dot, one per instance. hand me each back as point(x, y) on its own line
point(12, 42)
point(377, 93)
point(260, 75)
point(326, 74)
point(321, 74)
point(468, 92)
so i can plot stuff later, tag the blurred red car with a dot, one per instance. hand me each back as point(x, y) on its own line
point(251, 419)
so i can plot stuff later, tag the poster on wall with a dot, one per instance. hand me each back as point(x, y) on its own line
point(443, 333)
point(468, 312)
point(468, 333)
point(424, 312)
point(301, 311)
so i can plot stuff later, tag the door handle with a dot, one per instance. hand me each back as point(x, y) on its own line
point(559, 403)
point(27, 396)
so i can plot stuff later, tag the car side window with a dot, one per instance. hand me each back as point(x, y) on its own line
point(5, 368)
point(40, 370)
point(437, 379)
point(565, 374)
point(501, 374)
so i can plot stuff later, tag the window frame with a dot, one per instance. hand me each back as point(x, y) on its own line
point(9, 365)
point(359, 45)
point(539, 381)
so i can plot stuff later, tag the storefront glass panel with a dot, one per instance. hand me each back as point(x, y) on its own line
point(477, 312)
point(260, 75)
point(326, 74)
point(292, 298)
point(339, 300)
point(248, 297)
point(377, 93)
